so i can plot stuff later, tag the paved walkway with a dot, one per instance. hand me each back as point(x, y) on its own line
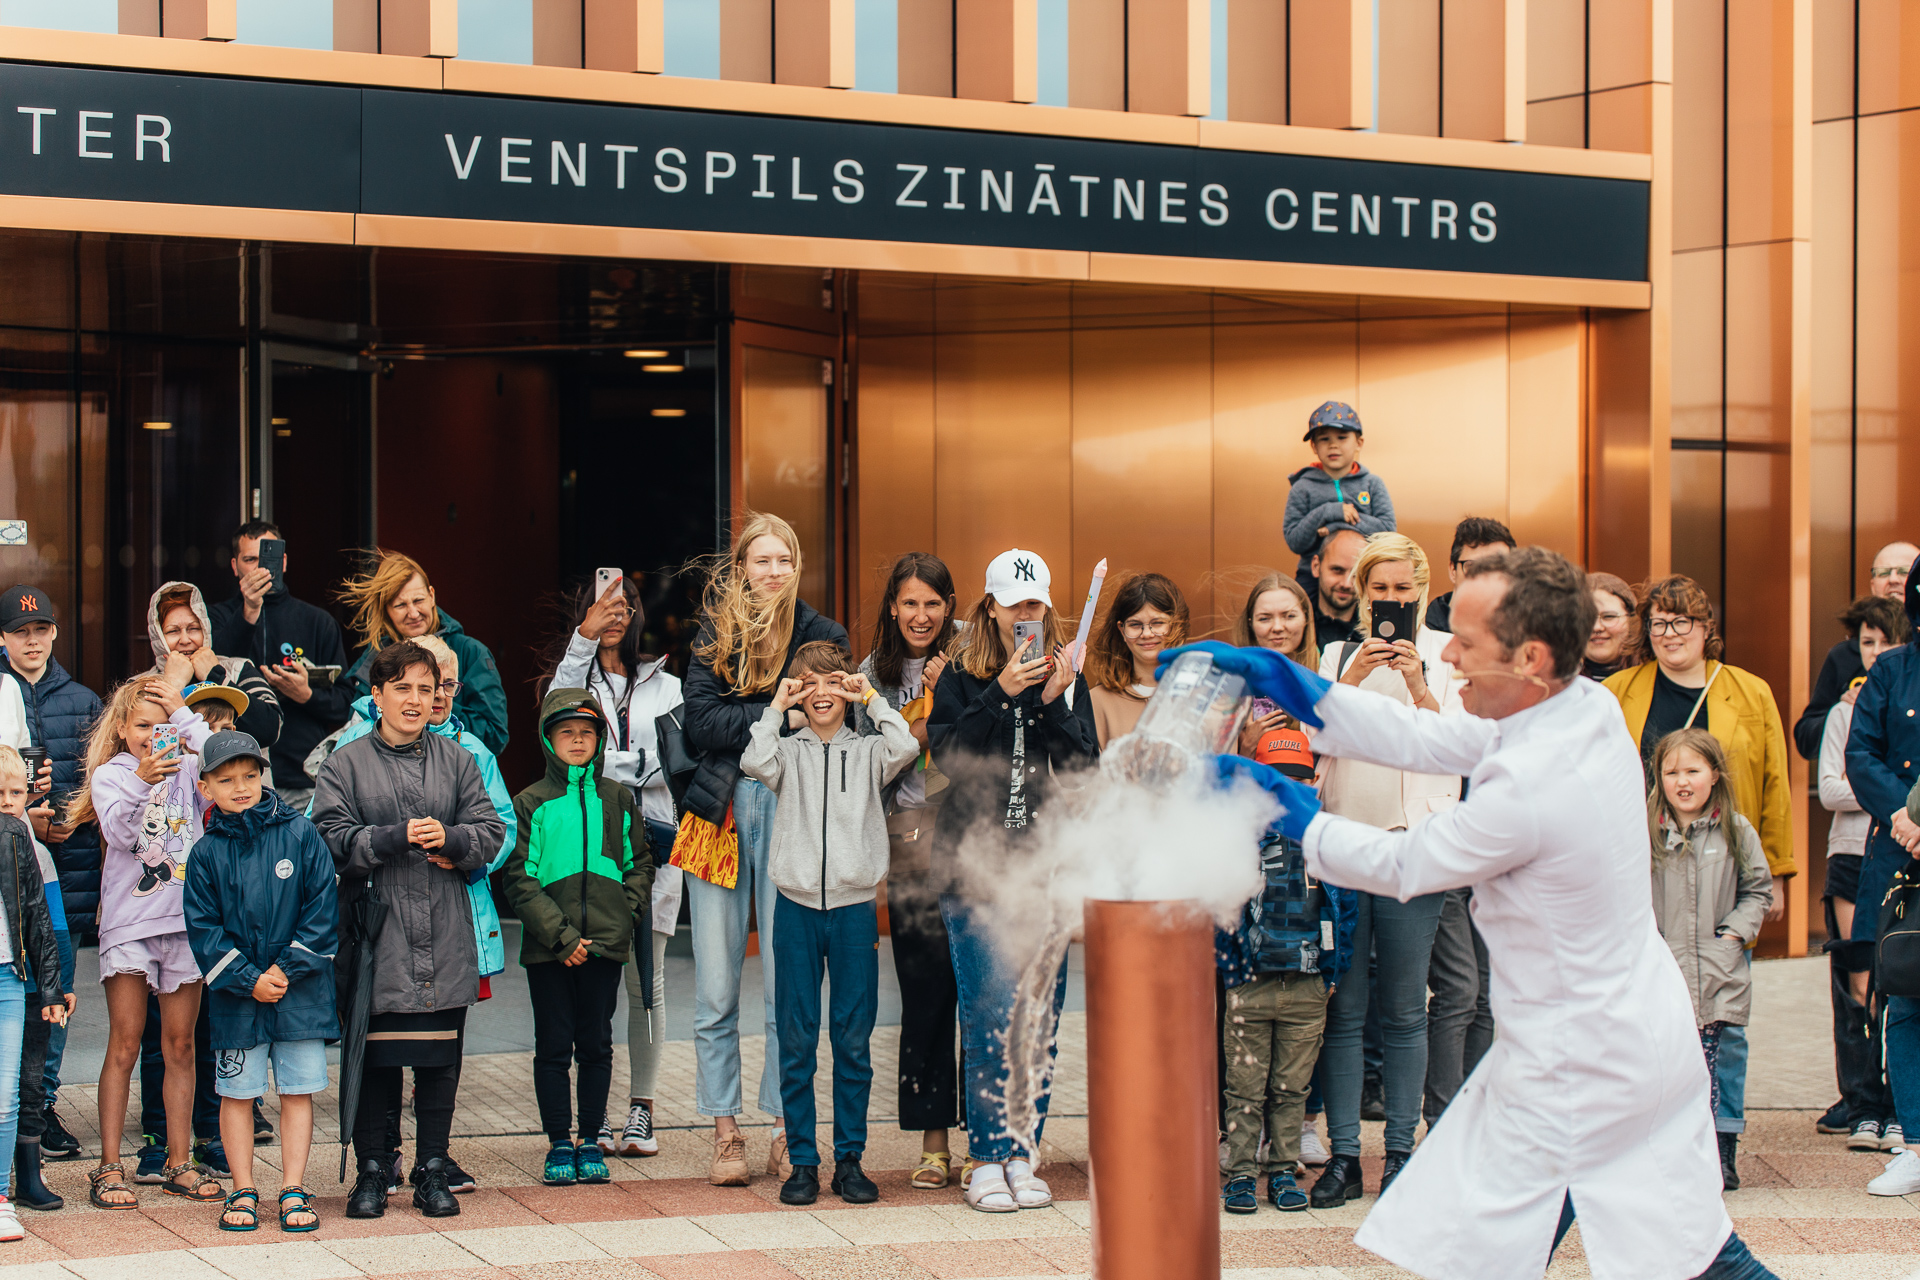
point(1802, 1207)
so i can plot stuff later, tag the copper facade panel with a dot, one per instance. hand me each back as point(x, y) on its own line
point(1628, 503)
point(996, 50)
point(1256, 67)
point(894, 462)
point(1143, 457)
point(1833, 23)
point(1887, 407)
point(783, 464)
point(1696, 517)
point(1559, 123)
point(200, 20)
point(1762, 119)
point(813, 43)
point(1626, 42)
point(1545, 362)
point(1831, 460)
point(1759, 347)
point(925, 47)
point(558, 37)
point(420, 28)
point(1410, 67)
point(1483, 91)
point(1698, 344)
point(1003, 454)
point(1302, 277)
point(1699, 111)
point(1622, 119)
point(1556, 49)
point(746, 40)
point(625, 35)
point(1331, 64)
point(356, 26)
point(1267, 379)
point(1423, 382)
point(1097, 54)
point(1169, 44)
point(1889, 55)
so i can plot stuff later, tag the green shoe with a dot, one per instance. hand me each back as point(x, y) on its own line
point(589, 1165)
point(560, 1170)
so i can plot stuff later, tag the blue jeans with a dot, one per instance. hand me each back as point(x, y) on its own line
point(1730, 1080)
point(1401, 936)
point(13, 1026)
point(1903, 1059)
point(986, 980)
point(57, 1036)
point(719, 921)
point(843, 945)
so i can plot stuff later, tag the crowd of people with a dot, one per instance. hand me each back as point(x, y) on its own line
point(276, 848)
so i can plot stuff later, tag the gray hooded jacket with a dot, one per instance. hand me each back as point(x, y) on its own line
point(263, 707)
point(425, 958)
point(1700, 887)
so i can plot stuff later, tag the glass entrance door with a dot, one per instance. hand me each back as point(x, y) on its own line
point(786, 439)
point(315, 441)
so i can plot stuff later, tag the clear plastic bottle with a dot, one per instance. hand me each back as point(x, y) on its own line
point(1196, 712)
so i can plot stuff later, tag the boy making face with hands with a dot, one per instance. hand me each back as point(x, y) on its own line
point(828, 857)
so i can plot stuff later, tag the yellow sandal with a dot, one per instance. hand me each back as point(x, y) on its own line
point(933, 1172)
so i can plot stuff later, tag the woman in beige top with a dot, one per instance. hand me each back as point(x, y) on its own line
point(1148, 614)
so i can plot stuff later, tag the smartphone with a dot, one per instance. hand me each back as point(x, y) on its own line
point(323, 675)
point(604, 578)
point(1392, 619)
point(58, 800)
point(165, 737)
point(273, 558)
point(1026, 641)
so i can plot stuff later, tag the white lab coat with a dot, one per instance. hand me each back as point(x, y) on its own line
point(1597, 1087)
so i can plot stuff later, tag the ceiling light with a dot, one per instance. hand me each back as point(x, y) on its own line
point(646, 353)
point(158, 426)
point(661, 368)
point(283, 432)
point(669, 413)
point(281, 422)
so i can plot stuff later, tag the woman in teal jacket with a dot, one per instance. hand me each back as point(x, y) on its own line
point(395, 601)
point(486, 918)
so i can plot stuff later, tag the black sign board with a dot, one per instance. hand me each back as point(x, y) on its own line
point(199, 140)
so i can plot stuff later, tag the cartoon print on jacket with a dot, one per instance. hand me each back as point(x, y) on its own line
point(164, 841)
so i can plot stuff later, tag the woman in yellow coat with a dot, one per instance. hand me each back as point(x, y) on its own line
point(1686, 680)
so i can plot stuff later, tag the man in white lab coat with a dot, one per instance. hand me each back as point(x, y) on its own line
point(1593, 1101)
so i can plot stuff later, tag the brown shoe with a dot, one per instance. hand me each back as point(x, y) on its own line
point(778, 1165)
point(729, 1163)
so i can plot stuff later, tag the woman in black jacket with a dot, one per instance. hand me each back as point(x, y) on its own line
point(754, 623)
point(1002, 730)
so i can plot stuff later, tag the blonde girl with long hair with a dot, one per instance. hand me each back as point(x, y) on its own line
point(394, 601)
point(1412, 672)
point(752, 623)
point(149, 816)
point(1004, 725)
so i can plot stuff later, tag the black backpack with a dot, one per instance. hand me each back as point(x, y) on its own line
point(1896, 957)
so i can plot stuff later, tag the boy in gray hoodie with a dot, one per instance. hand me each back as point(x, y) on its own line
point(1336, 492)
point(828, 858)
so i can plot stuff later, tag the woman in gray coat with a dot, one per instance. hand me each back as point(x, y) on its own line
point(407, 817)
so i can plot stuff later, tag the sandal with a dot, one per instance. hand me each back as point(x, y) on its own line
point(250, 1211)
point(986, 1188)
point(1029, 1192)
point(303, 1203)
point(98, 1188)
point(934, 1171)
point(203, 1191)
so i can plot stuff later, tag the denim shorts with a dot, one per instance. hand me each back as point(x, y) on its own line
point(299, 1066)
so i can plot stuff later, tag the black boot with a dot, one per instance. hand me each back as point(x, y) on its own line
point(1373, 1099)
point(368, 1199)
point(29, 1189)
point(1730, 1161)
point(851, 1183)
point(430, 1194)
point(1339, 1182)
point(1395, 1162)
point(802, 1185)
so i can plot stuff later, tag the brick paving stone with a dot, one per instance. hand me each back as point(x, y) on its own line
point(851, 1262)
point(724, 1266)
point(609, 1269)
point(955, 1260)
point(286, 1259)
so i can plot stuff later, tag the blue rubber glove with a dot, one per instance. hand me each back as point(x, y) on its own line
point(1297, 798)
point(1268, 675)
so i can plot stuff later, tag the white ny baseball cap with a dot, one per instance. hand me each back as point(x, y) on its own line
point(1016, 575)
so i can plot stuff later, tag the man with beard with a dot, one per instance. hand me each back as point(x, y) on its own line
point(1336, 605)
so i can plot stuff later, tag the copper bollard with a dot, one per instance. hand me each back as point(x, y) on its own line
point(1150, 1051)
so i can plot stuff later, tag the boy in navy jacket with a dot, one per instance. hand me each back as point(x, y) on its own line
point(262, 915)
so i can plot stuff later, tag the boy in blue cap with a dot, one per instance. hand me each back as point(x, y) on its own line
point(1336, 492)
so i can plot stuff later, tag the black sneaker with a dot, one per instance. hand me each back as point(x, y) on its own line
point(262, 1127)
point(1835, 1120)
point(1339, 1182)
point(1373, 1099)
point(459, 1181)
point(152, 1159)
point(212, 1153)
point(430, 1194)
point(368, 1199)
point(851, 1183)
point(1730, 1161)
point(802, 1185)
point(56, 1143)
point(1395, 1162)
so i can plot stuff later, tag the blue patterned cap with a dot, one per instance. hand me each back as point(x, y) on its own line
point(1333, 414)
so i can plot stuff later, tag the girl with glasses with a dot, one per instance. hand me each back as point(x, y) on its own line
point(1148, 614)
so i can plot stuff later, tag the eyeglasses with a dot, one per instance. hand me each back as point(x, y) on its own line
point(1881, 575)
point(1678, 626)
point(1612, 618)
point(1135, 628)
point(451, 688)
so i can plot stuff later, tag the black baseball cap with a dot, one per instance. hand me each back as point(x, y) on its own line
point(229, 744)
point(587, 711)
point(23, 604)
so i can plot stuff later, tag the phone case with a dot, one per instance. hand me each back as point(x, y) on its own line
point(1026, 638)
point(165, 738)
point(604, 578)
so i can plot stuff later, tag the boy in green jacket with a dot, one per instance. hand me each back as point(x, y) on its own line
point(577, 884)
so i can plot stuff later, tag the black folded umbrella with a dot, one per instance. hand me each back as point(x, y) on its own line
point(362, 920)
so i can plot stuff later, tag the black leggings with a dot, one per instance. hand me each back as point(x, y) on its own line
point(573, 1022)
point(929, 1004)
point(433, 1092)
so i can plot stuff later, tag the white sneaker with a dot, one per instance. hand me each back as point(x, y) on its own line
point(637, 1138)
point(1312, 1150)
point(1029, 1192)
point(1892, 1137)
point(1901, 1178)
point(9, 1222)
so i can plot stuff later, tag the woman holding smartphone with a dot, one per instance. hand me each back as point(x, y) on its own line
point(1148, 614)
point(909, 658)
point(1006, 720)
point(1399, 659)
